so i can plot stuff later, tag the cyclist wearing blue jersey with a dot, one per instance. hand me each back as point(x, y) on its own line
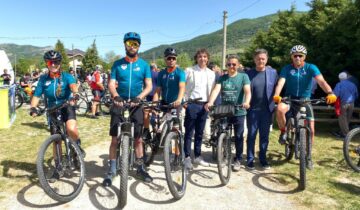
point(58, 87)
point(131, 73)
point(171, 81)
point(297, 78)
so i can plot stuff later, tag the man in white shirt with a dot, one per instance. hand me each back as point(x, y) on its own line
point(200, 80)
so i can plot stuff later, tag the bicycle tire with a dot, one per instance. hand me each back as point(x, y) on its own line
point(224, 150)
point(124, 170)
point(19, 100)
point(104, 105)
point(42, 174)
point(82, 107)
point(176, 189)
point(302, 157)
point(289, 146)
point(351, 149)
point(214, 152)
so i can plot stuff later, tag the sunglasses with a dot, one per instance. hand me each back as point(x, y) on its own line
point(133, 44)
point(50, 63)
point(171, 58)
point(298, 56)
point(231, 64)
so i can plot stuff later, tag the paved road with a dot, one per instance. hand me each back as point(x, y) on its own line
point(246, 190)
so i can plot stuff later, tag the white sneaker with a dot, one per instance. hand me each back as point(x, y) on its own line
point(187, 163)
point(200, 161)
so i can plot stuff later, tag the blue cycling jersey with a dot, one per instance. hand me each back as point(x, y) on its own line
point(51, 87)
point(169, 83)
point(298, 81)
point(130, 77)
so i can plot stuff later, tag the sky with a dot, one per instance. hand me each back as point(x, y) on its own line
point(77, 23)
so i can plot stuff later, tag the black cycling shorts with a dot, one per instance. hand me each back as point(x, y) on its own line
point(65, 113)
point(295, 108)
point(137, 118)
point(98, 94)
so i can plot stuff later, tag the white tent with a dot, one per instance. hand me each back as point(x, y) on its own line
point(6, 64)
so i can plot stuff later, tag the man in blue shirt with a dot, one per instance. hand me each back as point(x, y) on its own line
point(131, 73)
point(297, 78)
point(171, 81)
point(263, 80)
point(348, 93)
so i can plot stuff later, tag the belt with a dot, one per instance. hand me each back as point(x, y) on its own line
point(200, 102)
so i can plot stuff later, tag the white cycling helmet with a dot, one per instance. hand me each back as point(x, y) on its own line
point(298, 49)
point(98, 67)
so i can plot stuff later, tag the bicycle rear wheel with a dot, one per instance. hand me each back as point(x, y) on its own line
point(351, 149)
point(61, 174)
point(224, 158)
point(175, 171)
point(289, 146)
point(124, 170)
point(302, 148)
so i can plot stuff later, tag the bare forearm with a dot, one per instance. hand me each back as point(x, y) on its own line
point(112, 89)
point(34, 101)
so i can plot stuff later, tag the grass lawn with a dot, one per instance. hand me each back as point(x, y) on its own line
point(331, 185)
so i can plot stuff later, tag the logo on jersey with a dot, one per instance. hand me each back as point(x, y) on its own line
point(293, 72)
point(47, 83)
point(123, 66)
point(137, 68)
point(303, 72)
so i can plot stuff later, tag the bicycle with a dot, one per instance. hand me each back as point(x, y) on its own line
point(167, 134)
point(59, 154)
point(221, 138)
point(84, 104)
point(298, 141)
point(351, 149)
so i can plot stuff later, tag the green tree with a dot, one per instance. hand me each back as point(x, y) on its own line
point(184, 60)
point(91, 58)
point(110, 58)
point(59, 46)
point(22, 66)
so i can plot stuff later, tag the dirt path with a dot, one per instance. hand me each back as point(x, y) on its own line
point(246, 190)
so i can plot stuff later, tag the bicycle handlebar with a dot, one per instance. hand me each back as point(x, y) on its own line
point(304, 101)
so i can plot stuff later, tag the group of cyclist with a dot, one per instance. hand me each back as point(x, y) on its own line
point(131, 82)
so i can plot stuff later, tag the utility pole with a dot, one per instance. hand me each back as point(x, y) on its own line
point(72, 46)
point(224, 44)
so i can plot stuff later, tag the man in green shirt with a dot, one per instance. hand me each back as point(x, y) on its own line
point(235, 89)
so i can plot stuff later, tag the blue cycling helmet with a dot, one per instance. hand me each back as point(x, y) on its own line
point(133, 36)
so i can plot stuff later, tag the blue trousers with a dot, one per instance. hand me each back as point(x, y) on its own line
point(195, 119)
point(258, 120)
point(238, 124)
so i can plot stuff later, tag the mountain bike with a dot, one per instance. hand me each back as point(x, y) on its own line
point(351, 149)
point(221, 138)
point(298, 142)
point(60, 165)
point(84, 104)
point(167, 134)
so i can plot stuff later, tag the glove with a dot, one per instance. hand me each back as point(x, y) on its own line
point(76, 96)
point(33, 110)
point(330, 98)
point(118, 99)
point(277, 99)
point(136, 100)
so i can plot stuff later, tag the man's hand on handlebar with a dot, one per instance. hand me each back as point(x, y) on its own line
point(207, 106)
point(33, 111)
point(118, 101)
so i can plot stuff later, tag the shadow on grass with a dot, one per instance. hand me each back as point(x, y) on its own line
point(38, 125)
point(28, 168)
point(276, 179)
point(347, 187)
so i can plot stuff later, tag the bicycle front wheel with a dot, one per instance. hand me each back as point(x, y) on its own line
point(351, 149)
point(61, 170)
point(289, 146)
point(124, 169)
point(224, 158)
point(302, 148)
point(175, 171)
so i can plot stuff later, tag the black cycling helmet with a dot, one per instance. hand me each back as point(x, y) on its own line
point(170, 52)
point(52, 55)
point(133, 36)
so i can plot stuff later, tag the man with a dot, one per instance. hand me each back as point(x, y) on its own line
point(199, 82)
point(259, 117)
point(6, 77)
point(235, 90)
point(298, 77)
point(171, 81)
point(154, 77)
point(131, 73)
point(348, 93)
point(97, 89)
